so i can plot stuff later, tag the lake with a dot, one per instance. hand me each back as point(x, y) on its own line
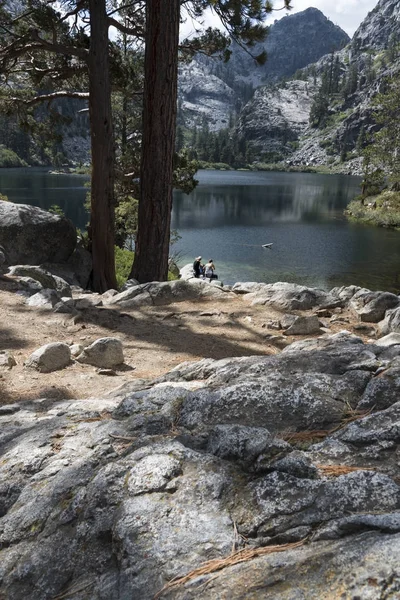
point(231, 214)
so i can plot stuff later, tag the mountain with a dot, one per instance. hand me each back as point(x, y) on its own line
point(341, 86)
point(211, 91)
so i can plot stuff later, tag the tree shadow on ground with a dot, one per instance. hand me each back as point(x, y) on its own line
point(171, 330)
point(52, 392)
point(9, 341)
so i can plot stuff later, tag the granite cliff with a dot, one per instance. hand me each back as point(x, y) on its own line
point(211, 90)
point(362, 66)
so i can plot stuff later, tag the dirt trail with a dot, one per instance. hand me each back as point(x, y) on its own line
point(155, 340)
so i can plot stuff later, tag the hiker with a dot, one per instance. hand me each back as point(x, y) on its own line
point(198, 268)
point(209, 270)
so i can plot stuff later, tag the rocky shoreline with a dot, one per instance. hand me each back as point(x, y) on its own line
point(258, 477)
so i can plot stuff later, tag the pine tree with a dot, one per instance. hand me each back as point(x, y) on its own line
point(243, 21)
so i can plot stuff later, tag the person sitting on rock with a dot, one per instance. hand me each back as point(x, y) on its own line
point(198, 267)
point(210, 270)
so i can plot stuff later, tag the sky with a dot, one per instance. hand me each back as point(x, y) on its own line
point(348, 14)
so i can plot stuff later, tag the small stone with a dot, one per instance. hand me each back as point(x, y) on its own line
point(51, 357)
point(7, 359)
point(76, 349)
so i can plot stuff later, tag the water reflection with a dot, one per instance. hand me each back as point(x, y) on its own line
point(230, 215)
point(39, 187)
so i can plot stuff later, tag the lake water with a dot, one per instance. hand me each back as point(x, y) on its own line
point(231, 214)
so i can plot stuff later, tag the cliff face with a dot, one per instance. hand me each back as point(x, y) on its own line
point(362, 66)
point(275, 130)
point(211, 90)
point(378, 27)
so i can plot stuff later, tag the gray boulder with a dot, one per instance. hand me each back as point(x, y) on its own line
point(372, 306)
point(32, 236)
point(345, 293)
point(252, 447)
point(129, 284)
point(247, 287)
point(301, 325)
point(391, 339)
point(186, 272)
point(105, 353)
point(291, 296)
point(51, 357)
point(113, 497)
point(391, 322)
point(161, 293)
point(46, 279)
point(46, 299)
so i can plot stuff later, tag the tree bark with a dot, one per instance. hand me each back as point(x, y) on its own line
point(158, 141)
point(102, 141)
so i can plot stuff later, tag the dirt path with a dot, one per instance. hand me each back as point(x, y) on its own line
point(155, 340)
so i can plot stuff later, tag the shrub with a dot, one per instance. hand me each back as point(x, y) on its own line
point(123, 264)
point(9, 159)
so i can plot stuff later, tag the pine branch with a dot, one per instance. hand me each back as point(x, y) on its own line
point(50, 97)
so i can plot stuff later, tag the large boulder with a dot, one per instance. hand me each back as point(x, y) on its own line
point(372, 306)
point(46, 279)
point(165, 292)
point(288, 296)
point(31, 236)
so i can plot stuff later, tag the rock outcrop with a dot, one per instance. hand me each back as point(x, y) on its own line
point(279, 472)
point(31, 236)
point(269, 457)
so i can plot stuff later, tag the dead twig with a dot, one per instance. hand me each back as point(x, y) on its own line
point(121, 437)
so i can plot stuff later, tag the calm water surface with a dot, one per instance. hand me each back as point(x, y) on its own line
point(231, 214)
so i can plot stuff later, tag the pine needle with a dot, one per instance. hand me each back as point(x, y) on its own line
point(218, 564)
point(337, 470)
point(304, 436)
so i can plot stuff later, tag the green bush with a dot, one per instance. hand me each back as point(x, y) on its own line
point(382, 210)
point(123, 264)
point(9, 159)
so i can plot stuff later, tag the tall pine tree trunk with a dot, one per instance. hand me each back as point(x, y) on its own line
point(158, 142)
point(102, 181)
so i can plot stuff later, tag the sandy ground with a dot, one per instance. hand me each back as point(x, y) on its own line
point(155, 339)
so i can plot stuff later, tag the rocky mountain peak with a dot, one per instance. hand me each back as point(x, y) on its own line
point(211, 90)
point(292, 43)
